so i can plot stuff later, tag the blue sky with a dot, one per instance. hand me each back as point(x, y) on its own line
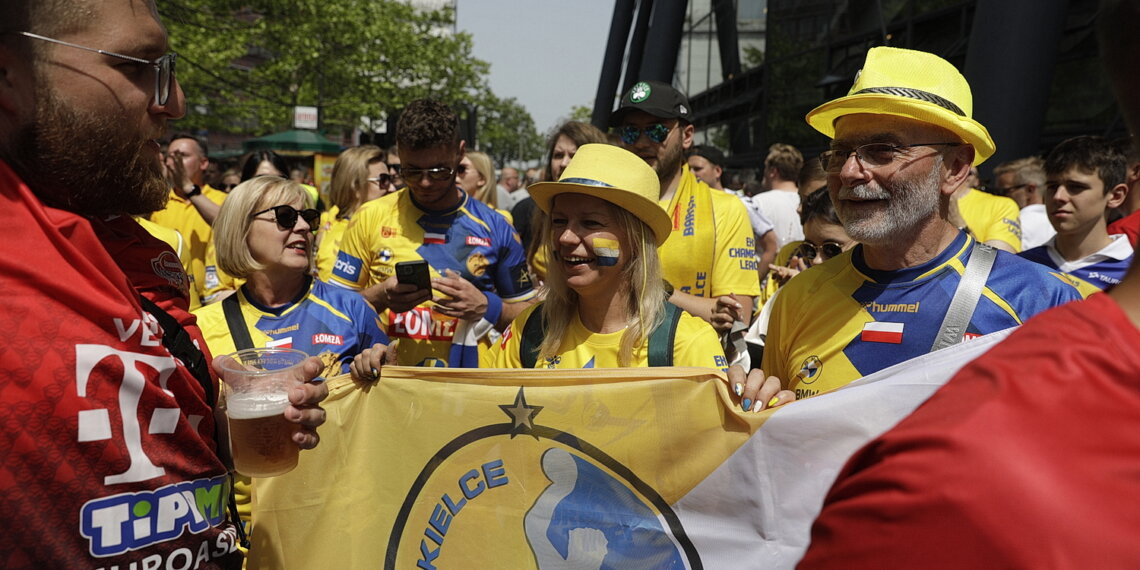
point(545, 53)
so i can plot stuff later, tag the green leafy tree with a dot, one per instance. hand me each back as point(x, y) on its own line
point(245, 64)
point(581, 113)
point(506, 131)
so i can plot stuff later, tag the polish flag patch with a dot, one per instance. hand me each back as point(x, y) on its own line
point(286, 342)
point(890, 333)
point(435, 238)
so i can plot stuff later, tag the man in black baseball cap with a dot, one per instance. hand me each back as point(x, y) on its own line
point(708, 258)
point(707, 163)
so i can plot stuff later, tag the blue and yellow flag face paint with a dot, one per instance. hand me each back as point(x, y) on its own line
point(608, 251)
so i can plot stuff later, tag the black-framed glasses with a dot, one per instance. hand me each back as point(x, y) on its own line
point(871, 155)
point(438, 173)
point(394, 168)
point(462, 170)
point(808, 250)
point(657, 132)
point(382, 180)
point(163, 66)
point(286, 216)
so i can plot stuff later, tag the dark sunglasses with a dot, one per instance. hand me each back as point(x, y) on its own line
point(829, 250)
point(382, 180)
point(286, 216)
point(656, 132)
point(438, 173)
point(462, 169)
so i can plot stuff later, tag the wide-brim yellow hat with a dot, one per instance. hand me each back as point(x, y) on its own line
point(912, 84)
point(615, 175)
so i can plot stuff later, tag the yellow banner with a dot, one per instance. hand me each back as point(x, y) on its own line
point(439, 468)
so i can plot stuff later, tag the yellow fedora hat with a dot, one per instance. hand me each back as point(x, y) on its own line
point(615, 175)
point(912, 84)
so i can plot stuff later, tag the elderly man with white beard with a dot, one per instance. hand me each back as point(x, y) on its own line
point(903, 141)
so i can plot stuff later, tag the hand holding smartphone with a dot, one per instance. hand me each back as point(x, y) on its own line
point(414, 272)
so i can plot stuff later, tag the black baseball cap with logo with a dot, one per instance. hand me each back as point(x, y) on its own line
point(654, 97)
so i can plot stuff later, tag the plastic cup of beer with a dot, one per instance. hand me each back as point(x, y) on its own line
point(258, 381)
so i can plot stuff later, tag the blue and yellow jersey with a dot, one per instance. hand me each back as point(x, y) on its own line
point(711, 250)
point(471, 239)
point(841, 320)
point(991, 217)
point(1102, 269)
point(695, 344)
point(324, 321)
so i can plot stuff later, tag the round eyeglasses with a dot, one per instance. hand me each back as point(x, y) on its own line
point(808, 250)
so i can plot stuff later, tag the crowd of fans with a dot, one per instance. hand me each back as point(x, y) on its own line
point(629, 248)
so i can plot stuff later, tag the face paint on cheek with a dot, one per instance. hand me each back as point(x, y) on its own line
point(607, 251)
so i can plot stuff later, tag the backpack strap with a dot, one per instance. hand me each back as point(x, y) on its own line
point(181, 346)
point(662, 338)
point(533, 334)
point(966, 296)
point(236, 322)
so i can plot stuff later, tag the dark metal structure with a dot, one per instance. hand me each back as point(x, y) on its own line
point(1032, 64)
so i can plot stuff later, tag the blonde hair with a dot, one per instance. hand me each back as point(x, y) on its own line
point(643, 289)
point(488, 193)
point(350, 178)
point(231, 227)
point(786, 159)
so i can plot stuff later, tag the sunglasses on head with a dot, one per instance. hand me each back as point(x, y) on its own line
point(382, 180)
point(286, 216)
point(828, 250)
point(656, 132)
point(438, 174)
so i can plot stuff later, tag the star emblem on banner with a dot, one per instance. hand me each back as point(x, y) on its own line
point(521, 414)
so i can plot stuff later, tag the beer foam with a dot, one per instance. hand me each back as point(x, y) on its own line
point(256, 405)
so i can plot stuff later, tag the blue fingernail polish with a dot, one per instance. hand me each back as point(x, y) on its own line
point(747, 405)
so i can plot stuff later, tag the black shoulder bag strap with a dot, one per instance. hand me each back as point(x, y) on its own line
point(532, 335)
point(238, 331)
point(181, 346)
point(966, 296)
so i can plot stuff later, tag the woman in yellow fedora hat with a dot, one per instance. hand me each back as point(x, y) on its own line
point(606, 302)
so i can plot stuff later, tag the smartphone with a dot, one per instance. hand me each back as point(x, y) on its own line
point(415, 272)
